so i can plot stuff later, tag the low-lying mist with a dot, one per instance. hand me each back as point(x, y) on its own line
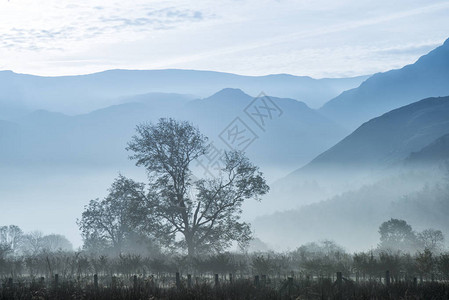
point(352, 216)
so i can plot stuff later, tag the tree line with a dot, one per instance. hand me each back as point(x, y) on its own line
point(426, 259)
point(13, 241)
point(315, 260)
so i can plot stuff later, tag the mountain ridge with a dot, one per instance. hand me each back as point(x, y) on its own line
point(383, 92)
point(422, 122)
point(22, 93)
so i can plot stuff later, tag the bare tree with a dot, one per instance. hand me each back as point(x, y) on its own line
point(432, 240)
point(206, 212)
point(425, 262)
point(10, 237)
point(32, 243)
point(56, 242)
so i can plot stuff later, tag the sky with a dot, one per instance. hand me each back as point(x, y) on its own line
point(321, 38)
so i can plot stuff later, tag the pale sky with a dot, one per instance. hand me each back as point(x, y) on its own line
point(322, 38)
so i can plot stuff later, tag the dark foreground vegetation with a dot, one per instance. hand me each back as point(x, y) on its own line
point(139, 287)
point(314, 271)
point(405, 265)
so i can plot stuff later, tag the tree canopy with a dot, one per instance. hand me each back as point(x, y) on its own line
point(396, 234)
point(113, 223)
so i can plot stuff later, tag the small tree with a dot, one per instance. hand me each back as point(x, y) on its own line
point(206, 212)
point(11, 237)
point(397, 235)
point(432, 239)
point(56, 242)
point(443, 265)
point(32, 243)
point(425, 262)
point(112, 222)
point(262, 265)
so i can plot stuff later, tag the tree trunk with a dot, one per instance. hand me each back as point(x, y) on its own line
point(190, 245)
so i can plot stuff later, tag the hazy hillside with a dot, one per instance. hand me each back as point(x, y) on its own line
point(382, 92)
point(99, 138)
point(298, 131)
point(21, 93)
point(435, 151)
point(96, 138)
point(390, 137)
point(353, 218)
point(366, 153)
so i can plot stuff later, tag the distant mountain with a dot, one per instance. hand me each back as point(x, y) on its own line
point(9, 138)
point(158, 100)
point(287, 140)
point(373, 149)
point(99, 138)
point(382, 92)
point(21, 93)
point(94, 139)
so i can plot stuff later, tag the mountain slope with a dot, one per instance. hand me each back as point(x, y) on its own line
point(375, 148)
point(353, 218)
point(390, 137)
point(434, 152)
point(382, 92)
point(286, 140)
point(20, 93)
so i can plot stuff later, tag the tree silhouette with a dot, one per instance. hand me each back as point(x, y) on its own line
point(205, 212)
point(11, 238)
point(396, 235)
point(113, 221)
point(432, 240)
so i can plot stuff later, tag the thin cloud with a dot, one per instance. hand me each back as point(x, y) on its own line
point(83, 23)
point(316, 38)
